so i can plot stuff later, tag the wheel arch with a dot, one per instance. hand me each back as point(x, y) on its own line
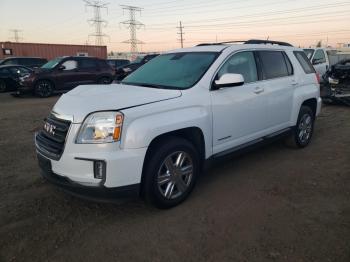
point(193, 135)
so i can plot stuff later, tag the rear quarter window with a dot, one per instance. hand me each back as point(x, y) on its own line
point(304, 62)
point(275, 64)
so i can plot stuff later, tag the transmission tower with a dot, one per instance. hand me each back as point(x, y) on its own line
point(132, 24)
point(181, 33)
point(97, 21)
point(16, 36)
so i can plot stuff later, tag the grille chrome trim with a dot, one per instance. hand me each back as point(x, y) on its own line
point(52, 144)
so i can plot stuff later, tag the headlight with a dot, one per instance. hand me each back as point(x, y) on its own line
point(333, 81)
point(101, 127)
point(22, 78)
point(127, 69)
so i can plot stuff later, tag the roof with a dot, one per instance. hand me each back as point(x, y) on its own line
point(29, 57)
point(7, 66)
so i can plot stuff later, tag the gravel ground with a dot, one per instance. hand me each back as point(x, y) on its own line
point(271, 204)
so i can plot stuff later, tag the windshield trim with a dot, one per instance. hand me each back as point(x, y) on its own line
point(217, 54)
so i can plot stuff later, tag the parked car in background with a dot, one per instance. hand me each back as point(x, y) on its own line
point(124, 71)
point(32, 62)
point(151, 134)
point(10, 76)
point(337, 83)
point(322, 59)
point(117, 63)
point(65, 73)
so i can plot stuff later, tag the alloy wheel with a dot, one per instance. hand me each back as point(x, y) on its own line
point(175, 175)
point(305, 128)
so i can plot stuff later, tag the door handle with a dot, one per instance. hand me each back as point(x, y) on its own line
point(259, 90)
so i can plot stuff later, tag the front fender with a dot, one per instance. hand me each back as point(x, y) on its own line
point(140, 132)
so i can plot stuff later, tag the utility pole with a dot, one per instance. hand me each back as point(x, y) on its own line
point(97, 21)
point(16, 36)
point(181, 33)
point(132, 24)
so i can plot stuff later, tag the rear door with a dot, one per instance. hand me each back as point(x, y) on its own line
point(239, 112)
point(279, 84)
point(88, 71)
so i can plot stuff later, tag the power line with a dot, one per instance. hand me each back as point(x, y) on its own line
point(132, 24)
point(181, 33)
point(97, 21)
point(16, 36)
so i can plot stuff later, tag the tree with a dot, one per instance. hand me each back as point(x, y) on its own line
point(319, 43)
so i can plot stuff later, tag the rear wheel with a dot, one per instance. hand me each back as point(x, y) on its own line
point(43, 88)
point(3, 86)
point(303, 131)
point(171, 172)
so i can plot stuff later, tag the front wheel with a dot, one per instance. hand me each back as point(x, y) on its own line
point(43, 88)
point(303, 131)
point(171, 172)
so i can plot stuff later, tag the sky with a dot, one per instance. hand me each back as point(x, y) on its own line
point(300, 22)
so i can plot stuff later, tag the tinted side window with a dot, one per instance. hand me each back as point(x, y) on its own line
point(319, 56)
point(242, 63)
point(26, 61)
point(304, 62)
point(4, 71)
point(273, 64)
point(105, 64)
point(11, 62)
point(70, 65)
point(289, 64)
point(87, 64)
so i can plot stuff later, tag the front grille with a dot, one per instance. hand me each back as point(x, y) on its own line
point(51, 139)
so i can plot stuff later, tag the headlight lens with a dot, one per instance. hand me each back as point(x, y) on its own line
point(333, 81)
point(101, 127)
point(127, 69)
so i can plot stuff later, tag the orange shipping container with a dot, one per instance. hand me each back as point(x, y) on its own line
point(50, 51)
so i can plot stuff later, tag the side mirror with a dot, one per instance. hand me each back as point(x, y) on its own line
point(228, 80)
point(61, 67)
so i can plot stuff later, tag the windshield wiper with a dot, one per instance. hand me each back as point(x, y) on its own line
point(144, 85)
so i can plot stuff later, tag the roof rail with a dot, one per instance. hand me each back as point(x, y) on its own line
point(249, 42)
point(259, 42)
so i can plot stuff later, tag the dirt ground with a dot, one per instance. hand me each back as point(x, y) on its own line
point(272, 204)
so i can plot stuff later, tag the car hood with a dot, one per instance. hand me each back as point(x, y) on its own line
point(83, 100)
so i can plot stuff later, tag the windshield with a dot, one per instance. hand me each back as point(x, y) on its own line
point(52, 63)
point(173, 71)
point(309, 53)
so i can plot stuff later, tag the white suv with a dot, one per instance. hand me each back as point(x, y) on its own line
point(151, 134)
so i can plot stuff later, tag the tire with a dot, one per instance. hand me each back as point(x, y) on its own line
point(303, 131)
point(164, 184)
point(105, 80)
point(3, 86)
point(43, 88)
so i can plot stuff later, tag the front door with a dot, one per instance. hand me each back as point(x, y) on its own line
point(66, 75)
point(239, 113)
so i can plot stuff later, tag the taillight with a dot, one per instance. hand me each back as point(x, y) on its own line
point(318, 77)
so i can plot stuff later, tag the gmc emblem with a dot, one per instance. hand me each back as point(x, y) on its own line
point(49, 128)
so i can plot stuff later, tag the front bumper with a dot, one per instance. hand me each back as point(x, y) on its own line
point(25, 87)
point(100, 193)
